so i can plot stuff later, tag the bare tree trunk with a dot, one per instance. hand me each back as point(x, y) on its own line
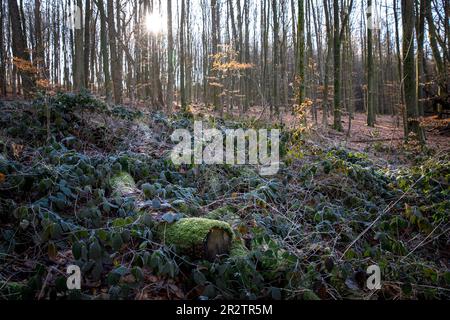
point(215, 25)
point(2, 53)
point(40, 58)
point(370, 71)
point(19, 48)
point(170, 76)
point(87, 42)
point(182, 57)
point(420, 30)
point(79, 54)
point(301, 51)
point(409, 75)
point(104, 51)
point(337, 68)
point(327, 63)
point(338, 36)
point(116, 67)
point(441, 69)
point(275, 104)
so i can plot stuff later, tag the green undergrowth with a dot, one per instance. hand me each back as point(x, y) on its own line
point(294, 233)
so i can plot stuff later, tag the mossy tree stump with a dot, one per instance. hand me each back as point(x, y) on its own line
point(198, 238)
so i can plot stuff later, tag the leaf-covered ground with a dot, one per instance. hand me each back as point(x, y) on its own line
point(308, 233)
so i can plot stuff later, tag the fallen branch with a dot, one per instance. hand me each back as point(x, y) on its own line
point(377, 140)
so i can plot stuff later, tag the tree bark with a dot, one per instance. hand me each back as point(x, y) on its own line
point(40, 58)
point(182, 57)
point(116, 67)
point(2, 53)
point(301, 51)
point(409, 75)
point(79, 52)
point(337, 68)
point(170, 62)
point(370, 75)
point(87, 42)
point(104, 51)
point(19, 48)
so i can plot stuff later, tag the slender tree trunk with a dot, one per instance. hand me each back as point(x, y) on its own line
point(79, 53)
point(338, 36)
point(215, 39)
point(87, 42)
point(104, 51)
point(2, 52)
point(400, 66)
point(182, 57)
point(441, 69)
point(409, 75)
point(327, 64)
point(170, 62)
point(337, 68)
point(40, 58)
point(420, 54)
point(301, 51)
point(275, 74)
point(19, 48)
point(115, 65)
point(370, 71)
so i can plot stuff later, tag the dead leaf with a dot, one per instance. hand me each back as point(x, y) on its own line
point(52, 251)
point(2, 178)
point(17, 150)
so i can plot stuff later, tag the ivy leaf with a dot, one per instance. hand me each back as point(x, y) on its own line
point(121, 271)
point(276, 293)
point(138, 274)
point(170, 217)
point(156, 204)
point(199, 277)
point(76, 250)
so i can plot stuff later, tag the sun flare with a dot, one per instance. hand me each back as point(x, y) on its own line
point(155, 23)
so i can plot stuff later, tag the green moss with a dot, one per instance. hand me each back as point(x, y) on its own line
point(227, 213)
point(238, 249)
point(122, 184)
point(221, 213)
point(191, 232)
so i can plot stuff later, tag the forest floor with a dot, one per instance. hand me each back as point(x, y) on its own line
point(384, 142)
point(93, 187)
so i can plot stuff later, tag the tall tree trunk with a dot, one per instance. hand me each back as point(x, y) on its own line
point(275, 74)
point(338, 36)
point(104, 51)
point(182, 57)
point(409, 75)
point(337, 68)
point(87, 42)
point(327, 64)
point(400, 65)
point(170, 75)
point(215, 39)
point(301, 51)
point(370, 71)
point(40, 58)
point(20, 50)
point(441, 69)
point(116, 67)
point(79, 52)
point(420, 54)
point(2, 52)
